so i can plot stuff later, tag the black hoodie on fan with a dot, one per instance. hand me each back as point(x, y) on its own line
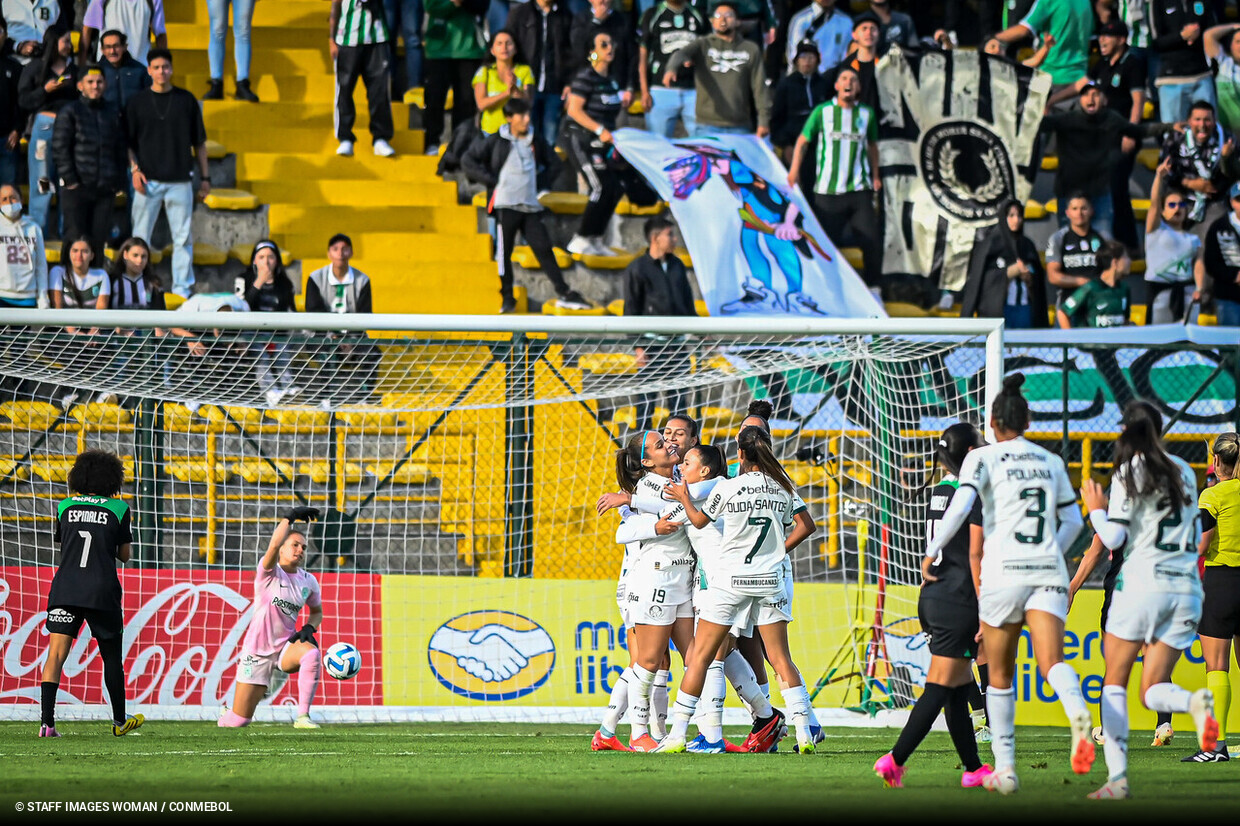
point(986, 289)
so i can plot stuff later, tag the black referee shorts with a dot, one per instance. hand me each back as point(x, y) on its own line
point(1220, 610)
point(950, 626)
point(68, 620)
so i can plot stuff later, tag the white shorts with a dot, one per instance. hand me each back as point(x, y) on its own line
point(256, 669)
point(743, 611)
point(1152, 616)
point(658, 597)
point(786, 570)
point(1000, 606)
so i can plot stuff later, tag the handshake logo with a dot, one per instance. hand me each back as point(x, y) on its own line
point(491, 655)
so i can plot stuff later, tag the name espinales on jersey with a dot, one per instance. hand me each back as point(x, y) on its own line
point(90, 531)
point(1022, 486)
point(1161, 551)
point(757, 514)
point(954, 581)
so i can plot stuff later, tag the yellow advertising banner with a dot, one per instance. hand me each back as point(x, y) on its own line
point(559, 643)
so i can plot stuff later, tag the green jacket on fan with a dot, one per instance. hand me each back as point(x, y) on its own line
point(453, 32)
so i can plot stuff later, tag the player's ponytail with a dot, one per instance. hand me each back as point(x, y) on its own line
point(1010, 411)
point(761, 408)
point(950, 450)
point(629, 468)
point(1226, 452)
point(757, 454)
point(1142, 435)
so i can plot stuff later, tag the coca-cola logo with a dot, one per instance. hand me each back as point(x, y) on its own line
point(183, 637)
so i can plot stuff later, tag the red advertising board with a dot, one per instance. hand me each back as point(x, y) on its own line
point(183, 635)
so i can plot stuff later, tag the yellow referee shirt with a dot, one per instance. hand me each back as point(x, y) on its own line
point(1221, 503)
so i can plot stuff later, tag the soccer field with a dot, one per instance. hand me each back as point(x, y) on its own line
point(469, 773)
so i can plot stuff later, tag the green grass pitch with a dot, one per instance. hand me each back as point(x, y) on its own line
point(514, 773)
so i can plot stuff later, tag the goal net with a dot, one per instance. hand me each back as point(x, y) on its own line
point(457, 462)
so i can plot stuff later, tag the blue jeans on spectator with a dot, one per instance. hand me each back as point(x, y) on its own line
point(8, 166)
point(405, 17)
point(642, 5)
point(546, 109)
point(1104, 214)
point(704, 129)
point(668, 104)
point(1018, 316)
point(177, 199)
point(1227, 313)
point(243, 15)
point(1175, 99)
point(42, 168)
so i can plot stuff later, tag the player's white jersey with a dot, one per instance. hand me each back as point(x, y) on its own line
point(1022, 487)
point(756, 514)
point(1161, 552)
point(662, 552)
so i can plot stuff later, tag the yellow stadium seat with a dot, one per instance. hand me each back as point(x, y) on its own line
point(853, 256)
point(209, 255)
point(1138, 266)
point(611, 364)
point(683, 255)
point(1034, 211)
point(627, 208)
point(53, 469)
point(552, 308)
point(564, 203)
point(616, 306)
point(626, 416)
point(1140, 208)
point(417, 97)
point(524, 257)
point(902, 309)
point(606, 262)
point(261, 472)
point(178, 417)
point(244, 416)
point(719, 417)
point(320, 471)
point(96, 415)
point(1147, 111)
point(31, 415)
point(369, 420)
point(231, 199)
point(196, 471)
point(701, 308)
point(172, 300)
point(300, 418)
point(1052, 205)
point(636, 108)
point(480, 199)
point(52, 250)
point(1050, 163)
point(215, 150)
point(409, 473)
point(1148, 157)
point(11, 471)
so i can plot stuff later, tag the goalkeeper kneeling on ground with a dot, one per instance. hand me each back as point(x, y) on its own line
point(273, 642)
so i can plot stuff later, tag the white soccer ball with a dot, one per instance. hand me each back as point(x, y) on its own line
point(343, 661)
point(1097, 735)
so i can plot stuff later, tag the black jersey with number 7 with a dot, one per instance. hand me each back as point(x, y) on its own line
point(90, 530)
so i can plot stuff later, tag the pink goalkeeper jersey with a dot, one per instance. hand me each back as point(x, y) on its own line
point(278, 599)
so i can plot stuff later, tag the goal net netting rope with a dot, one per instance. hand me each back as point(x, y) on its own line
point(457, 462)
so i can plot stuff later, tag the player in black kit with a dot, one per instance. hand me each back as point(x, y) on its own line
point(92, 527)
point(947, 609)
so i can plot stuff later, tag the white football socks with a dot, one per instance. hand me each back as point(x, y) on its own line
point(796, 699)
point(710, 720)
point(1001, 708)
point(639, 704)
point(658, 704)
point(1115, 730)
point(686, 707)
point(1063, 678)
point(617, 703)
point(740, 675)
point(1168, 697)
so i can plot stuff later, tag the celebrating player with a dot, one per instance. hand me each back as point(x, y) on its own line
point(1029, 517)
point(273, 640)
point(1157, 603)
point(658, 584)
point(92, 527)
point(947, 609)
point(1220, 608)
point(757, 512)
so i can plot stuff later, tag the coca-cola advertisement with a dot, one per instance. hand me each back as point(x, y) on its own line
point(183, 635)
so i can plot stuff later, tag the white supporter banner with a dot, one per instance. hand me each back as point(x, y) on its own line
point(756, 246)
point(957, 138)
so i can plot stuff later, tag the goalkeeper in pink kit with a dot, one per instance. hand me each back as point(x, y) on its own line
point(273, 641)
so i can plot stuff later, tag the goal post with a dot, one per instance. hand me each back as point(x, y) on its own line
point(457, 461)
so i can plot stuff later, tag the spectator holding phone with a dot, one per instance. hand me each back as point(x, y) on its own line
point(47, 85)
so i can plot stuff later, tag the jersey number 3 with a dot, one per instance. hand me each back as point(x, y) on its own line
point(1037, 512)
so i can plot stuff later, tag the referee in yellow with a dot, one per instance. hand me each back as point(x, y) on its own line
point(1220, 611)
